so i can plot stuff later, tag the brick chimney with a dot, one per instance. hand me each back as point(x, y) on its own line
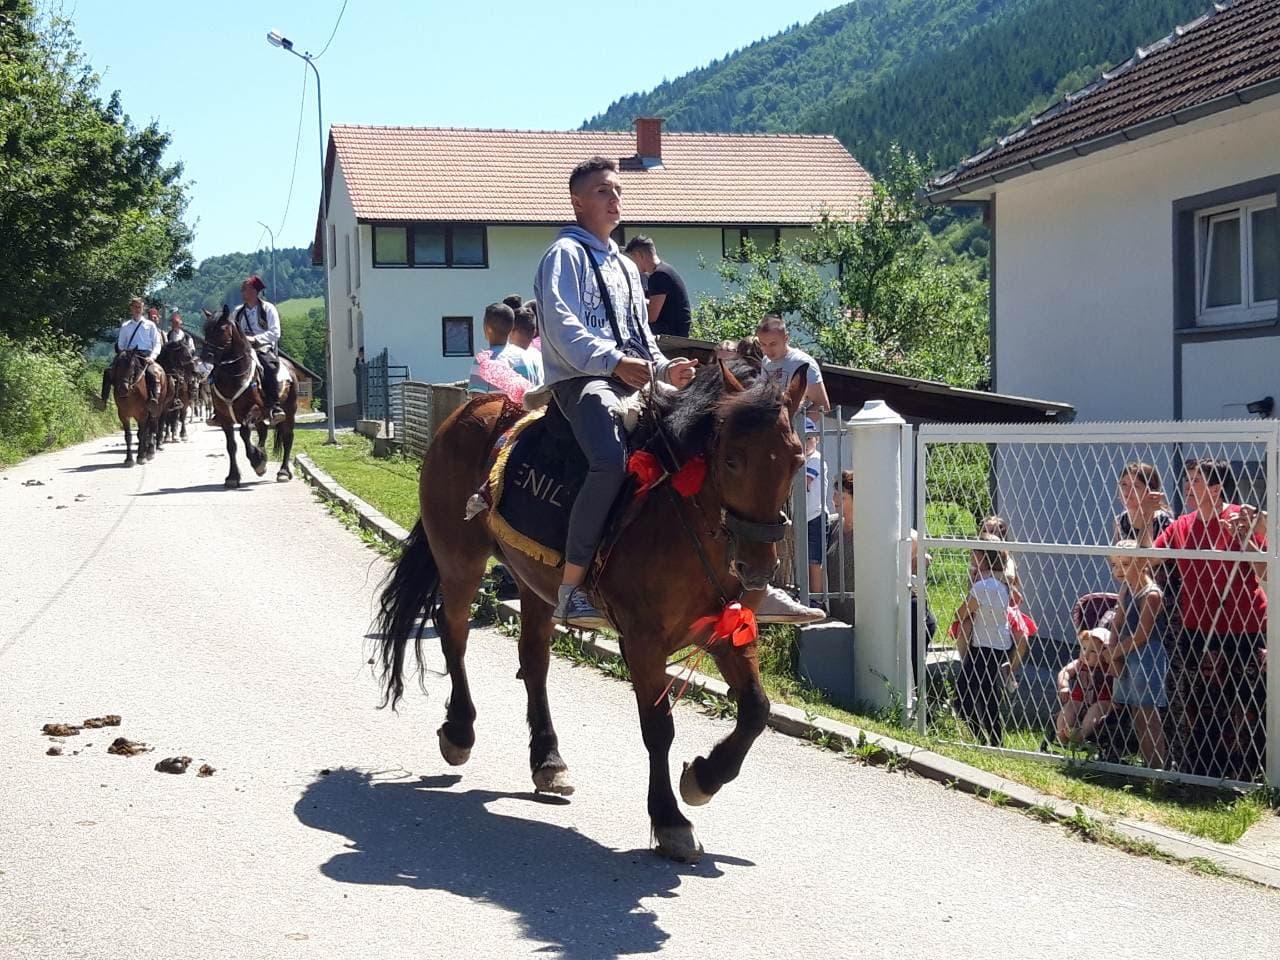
point(649, 139)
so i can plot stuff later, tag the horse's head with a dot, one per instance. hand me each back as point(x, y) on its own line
point(742, 422)
point(219, 335)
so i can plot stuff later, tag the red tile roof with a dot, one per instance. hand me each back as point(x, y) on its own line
point(522, 176)
point(1228, 56)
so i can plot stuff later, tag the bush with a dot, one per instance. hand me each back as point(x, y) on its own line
point(45, 391)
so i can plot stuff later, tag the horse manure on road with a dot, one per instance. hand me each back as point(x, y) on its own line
point(110, 720)
point(173, 765)
point(206, 770)
point(53, 752)
point(60, 730)
point(127, 748)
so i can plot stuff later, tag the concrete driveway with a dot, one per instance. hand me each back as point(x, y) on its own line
point(230, 627)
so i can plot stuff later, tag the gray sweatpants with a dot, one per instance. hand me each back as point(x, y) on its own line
point(588, 404)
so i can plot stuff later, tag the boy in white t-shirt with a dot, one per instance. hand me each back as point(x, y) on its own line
point(815, 493)
point(781, 360)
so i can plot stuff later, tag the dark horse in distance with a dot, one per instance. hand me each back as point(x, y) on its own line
point(238, 399)
point(677, 562)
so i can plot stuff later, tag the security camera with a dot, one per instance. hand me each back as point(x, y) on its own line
point(1262, 408)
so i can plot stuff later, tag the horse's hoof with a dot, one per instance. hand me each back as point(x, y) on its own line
point(129, 462)
point(677, 843)
point(283, 476)
point(453, 754)
point(690, 792)
point(552, 780)
point(260, 468)
point(231, 482)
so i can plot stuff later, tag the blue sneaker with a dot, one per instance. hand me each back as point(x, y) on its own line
point(575, 609)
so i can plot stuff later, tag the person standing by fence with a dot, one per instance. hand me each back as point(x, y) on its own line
point(984, 642)
point(1224, 616)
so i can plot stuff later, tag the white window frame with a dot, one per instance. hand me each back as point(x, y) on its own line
point(1248, 310)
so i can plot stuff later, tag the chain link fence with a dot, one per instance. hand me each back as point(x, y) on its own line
point(1101, 592)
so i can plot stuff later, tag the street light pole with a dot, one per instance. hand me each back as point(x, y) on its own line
point(277, 40)
point(274, 290)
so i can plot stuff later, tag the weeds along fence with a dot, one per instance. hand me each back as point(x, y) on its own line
point(1171, 677)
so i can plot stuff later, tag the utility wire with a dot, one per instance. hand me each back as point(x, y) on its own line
point(297, 144)
point(334, 33)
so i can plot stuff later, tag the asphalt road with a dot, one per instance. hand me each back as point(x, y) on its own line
point(230, 627)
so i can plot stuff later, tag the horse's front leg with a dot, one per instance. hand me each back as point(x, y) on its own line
point(128, 443)
point(257, 459)
point(702, 778)
point(233, 478)
point(672, 832)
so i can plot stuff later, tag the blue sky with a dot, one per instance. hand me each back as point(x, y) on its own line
point(205, 72)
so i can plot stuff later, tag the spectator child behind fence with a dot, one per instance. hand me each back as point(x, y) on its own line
point(1084, 688)
point(984, 642)
point(1138, 655)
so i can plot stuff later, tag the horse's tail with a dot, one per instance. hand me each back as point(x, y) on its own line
point(408, 593)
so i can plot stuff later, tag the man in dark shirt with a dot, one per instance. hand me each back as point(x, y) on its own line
point(669, 310)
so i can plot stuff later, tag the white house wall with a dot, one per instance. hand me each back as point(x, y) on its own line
point(1084, 280)
point(341, 278)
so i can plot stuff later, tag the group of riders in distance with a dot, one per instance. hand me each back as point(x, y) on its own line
point(237, 378)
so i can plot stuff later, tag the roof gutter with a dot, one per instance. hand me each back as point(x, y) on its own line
point(1137, 131)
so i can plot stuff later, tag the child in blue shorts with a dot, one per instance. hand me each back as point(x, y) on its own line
point(1138, 655)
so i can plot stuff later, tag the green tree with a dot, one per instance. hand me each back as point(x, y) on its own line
point(91, 212)
point(877, 292)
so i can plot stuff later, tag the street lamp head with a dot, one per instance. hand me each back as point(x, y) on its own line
point(277, 39)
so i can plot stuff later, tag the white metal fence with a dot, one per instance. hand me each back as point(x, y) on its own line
point(1055, 642)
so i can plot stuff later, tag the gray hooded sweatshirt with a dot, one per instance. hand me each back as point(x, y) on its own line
point(576, 338)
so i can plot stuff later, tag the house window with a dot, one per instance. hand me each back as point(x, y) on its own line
point(351, 329)
point(390, 246)
point(430, 245)
point(346, 241)
point(357, 256)
point(458, 333)
point(1237, 262)
point(733, 240)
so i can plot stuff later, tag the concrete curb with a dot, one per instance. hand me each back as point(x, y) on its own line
point(794, 722)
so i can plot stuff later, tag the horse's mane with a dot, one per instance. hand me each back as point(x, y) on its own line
point(691, 416)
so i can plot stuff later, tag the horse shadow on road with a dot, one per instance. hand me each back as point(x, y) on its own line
point(218, 487)
point(579, 897)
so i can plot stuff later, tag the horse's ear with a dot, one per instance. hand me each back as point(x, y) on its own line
point(208, 314)
point(225, 310)
point(796, 388)
point(731, 383)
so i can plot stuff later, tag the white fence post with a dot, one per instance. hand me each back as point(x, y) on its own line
point(880, 671)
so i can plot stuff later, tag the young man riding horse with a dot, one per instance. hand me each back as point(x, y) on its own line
point(259, 321)
point(141, 335)
point(597, 349)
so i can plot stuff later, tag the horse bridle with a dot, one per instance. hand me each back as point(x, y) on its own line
point(734, 526)
point(244, 385)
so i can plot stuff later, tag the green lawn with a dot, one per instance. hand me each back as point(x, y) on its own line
point(389, 485)
point(392, 487)
point(298, 307)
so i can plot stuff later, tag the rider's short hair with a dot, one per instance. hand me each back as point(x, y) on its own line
point(641, 242)
point(771, 324)
point(514, 301)
point(587, 167)
point(138, 300)
point(500, 317)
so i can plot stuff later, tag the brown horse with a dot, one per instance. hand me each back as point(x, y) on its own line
point(180, 367)
point(238, 399)
point(128, 376)
point(677, 561)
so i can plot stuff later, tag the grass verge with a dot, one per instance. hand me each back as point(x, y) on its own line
point(391, 486)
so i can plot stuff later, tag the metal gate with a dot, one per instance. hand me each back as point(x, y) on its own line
point(382, 401)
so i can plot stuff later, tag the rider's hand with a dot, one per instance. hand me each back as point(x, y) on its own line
point(632, 371)
point(680, 372)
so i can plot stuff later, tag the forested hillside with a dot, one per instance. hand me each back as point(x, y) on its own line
point(773, 84)
point(941, 78)
point(217, 280)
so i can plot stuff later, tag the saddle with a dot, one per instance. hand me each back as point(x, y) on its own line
point(535, 478)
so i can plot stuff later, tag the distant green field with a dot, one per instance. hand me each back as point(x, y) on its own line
point(299, 307)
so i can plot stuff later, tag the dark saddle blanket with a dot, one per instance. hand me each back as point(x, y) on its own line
point(537, 475)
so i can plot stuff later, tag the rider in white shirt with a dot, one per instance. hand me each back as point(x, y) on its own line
point(259, 321)
point(177, 335)
point(140, 334)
